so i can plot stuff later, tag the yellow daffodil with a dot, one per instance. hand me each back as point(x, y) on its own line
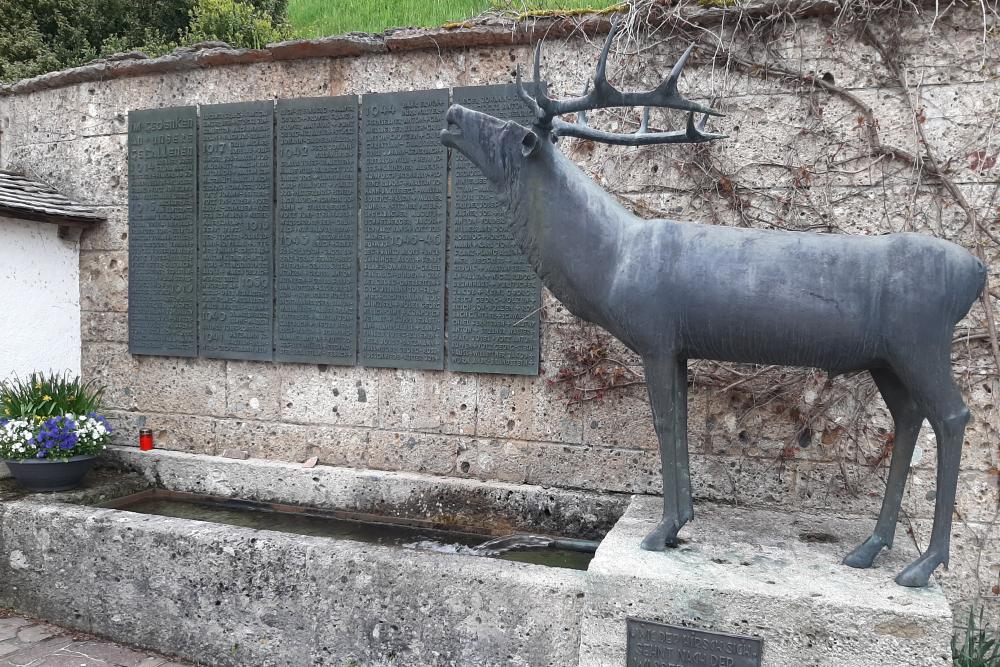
point(46, 397)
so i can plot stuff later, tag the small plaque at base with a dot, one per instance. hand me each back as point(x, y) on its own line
point(653, 644)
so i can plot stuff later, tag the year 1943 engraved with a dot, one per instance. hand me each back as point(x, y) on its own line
point(658, 645)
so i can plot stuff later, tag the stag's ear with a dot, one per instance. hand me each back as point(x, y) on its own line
point(529, 143)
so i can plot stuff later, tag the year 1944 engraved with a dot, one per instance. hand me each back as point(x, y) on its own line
point(658, 645)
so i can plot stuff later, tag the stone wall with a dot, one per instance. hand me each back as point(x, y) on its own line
point(798, 156)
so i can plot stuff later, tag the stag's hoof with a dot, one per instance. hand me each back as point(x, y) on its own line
point(917, 573)
point(864, 554)
point(661, 537)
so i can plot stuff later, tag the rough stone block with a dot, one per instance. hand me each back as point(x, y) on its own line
point(524, 408)
point(110, 365)
point(104, 280)
point(427, 401)
point(103, 327)
point(112, 234)
point(182, 433)
point(548, 464)
point(621, 419)
point(176, 385)
point(92, 170)
point(156, 384)
point(758, 573)
point(393, 72)
point(329, 395)
point(125, 427)
point(266, 440)
point(253, 389)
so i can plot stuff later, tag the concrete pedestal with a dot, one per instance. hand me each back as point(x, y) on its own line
point(764, 574)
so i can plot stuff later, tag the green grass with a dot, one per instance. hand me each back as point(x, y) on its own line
point(317, 18)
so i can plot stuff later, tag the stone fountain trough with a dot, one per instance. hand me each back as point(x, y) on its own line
point(234, 596)
point(228, 595)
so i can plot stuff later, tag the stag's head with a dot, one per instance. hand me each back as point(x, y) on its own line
point(502, 148)
point(497, 147)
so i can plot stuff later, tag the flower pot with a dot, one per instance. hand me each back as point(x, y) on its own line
point(44, 475)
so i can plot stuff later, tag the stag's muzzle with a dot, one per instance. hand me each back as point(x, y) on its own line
point(453, 132)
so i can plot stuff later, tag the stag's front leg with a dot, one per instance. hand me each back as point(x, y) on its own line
point(666, 380)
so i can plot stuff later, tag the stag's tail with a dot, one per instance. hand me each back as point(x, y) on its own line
point(971, 280)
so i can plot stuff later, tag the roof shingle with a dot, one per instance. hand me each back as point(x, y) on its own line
point(21, 197)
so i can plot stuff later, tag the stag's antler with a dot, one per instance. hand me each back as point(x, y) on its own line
point(604, 95)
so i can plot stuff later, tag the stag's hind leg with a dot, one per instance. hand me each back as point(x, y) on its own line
point(931, 384)
point(907, 419)
point(666, 381)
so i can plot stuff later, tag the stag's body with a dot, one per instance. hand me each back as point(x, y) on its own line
point(673, 291)
point(735, 294)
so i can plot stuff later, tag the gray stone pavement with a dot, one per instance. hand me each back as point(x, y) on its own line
point(26, 642)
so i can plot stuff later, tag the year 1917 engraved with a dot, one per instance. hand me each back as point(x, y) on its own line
point(404, 185)
point(163, 232)
point(652, 644)
point(493, 294)
point(316, 223)
point(236, 207)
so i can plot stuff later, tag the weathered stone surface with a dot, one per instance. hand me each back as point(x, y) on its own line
point(758, 573)
point(112, 234)
point(326, 47)
point(621, 419)
point(253, 390)
point(292, 599)
point(436, 401)
point(156, 384)
point(402, 494)
point(520, 407)
point(743, 564)
point(330, 395)
point(91, 170)
point(183, 433)
point(104, 280)
point(188, 386)
point(105, 327)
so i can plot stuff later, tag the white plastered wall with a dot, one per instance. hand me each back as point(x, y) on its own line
point(39, 299)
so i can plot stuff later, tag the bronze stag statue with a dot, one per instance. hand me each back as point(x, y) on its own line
point(673, 291)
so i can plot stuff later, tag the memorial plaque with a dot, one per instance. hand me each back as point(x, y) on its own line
point(652, 644)
point(316, 230)
point(163, 232)
point(404, 185)
point(493, 294)
point(236, 207)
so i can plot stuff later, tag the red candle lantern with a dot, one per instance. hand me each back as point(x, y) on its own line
point(145, 439)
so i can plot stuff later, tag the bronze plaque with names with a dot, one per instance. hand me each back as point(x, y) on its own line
point(316, 218)
point(493, 294)
point(236, 230)
point(163, 232)
point(652, 644)
point(404, 172)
